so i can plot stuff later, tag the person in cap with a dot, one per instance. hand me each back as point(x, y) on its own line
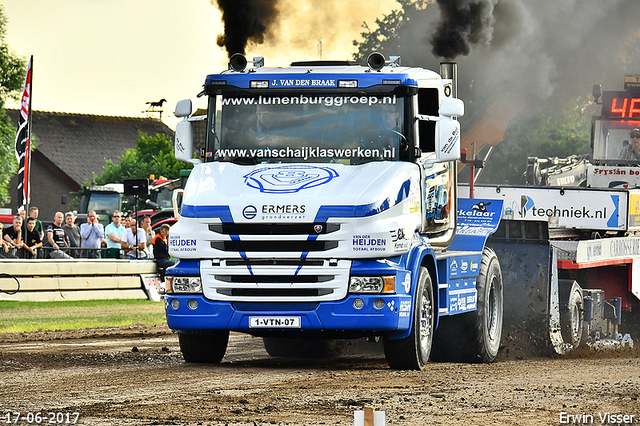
point(161, 249)
point(632, 150)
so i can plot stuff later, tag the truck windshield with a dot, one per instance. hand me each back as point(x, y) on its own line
point(612, 140)
point(164, 197)
point(104, 203)
point(348, 129)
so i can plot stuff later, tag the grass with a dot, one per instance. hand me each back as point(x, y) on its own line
point(20, 317)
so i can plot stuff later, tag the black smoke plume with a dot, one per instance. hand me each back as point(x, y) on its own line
point(245, 21)
point(462, 23)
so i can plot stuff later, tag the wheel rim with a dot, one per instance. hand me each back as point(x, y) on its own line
point(492, 307)
point(426, 319)
point(576, 326)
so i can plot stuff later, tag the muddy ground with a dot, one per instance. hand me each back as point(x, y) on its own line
point(136, 376)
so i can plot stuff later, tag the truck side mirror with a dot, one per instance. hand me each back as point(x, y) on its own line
point(596, 92)
point(183, 108)
point(183, 146)
point(448, 140)
point(452, 107)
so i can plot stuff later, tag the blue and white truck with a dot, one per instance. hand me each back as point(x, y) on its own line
point(324, 205)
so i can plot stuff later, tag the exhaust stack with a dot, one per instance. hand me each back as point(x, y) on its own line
point(449, 71)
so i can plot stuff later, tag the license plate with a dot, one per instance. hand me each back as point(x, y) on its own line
point(274, 322)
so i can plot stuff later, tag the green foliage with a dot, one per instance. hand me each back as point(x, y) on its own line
point(8, 162)
point(152, 155)
point(544, 132)
point(389, 34)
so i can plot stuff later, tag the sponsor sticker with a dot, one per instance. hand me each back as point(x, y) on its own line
point(399, 240)
point(405, 308)
point(182, 245)
point(289, 179)
point(283, 211)
point(249, 212)
point(366, 243)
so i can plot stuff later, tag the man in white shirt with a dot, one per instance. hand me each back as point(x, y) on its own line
point(134, 240)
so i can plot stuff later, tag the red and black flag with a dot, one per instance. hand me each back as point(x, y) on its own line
point(23, 141)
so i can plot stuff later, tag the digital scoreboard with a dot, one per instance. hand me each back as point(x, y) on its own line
point(624, 105)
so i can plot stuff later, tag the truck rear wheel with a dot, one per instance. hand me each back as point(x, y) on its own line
point(204, 348)
point(412, 352)
point(571, 318)
point(475, 336)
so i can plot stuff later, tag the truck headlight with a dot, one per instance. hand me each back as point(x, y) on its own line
point(373, 285)
point(184, 285)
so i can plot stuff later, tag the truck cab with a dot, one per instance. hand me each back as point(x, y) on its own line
point(615, 138)
point(322, 207)
point(104, 200)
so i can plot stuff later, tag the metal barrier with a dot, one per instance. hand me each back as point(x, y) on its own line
point(44, 252)
point(78, 279)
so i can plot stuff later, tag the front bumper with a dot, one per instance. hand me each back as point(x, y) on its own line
point(338, 316)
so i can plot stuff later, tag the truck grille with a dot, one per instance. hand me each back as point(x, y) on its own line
point(274, 246)
point(275, 280)
point(251, 292)
point(237, 237)
point(274, 262)
point(274, 228)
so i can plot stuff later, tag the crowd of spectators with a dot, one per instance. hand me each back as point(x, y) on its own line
point(26, 238)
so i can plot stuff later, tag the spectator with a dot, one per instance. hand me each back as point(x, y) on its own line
point(6, 247)
point(146, 226)
point(92, 234)
point(57, 238)
point(32, 240)
point(126, 221)
point(134, 241)
point(34, 212)
point(13, 236)
point(114, 232)
point(23, 214)
point(73, 233)
point(631, 151)
point(161, 248)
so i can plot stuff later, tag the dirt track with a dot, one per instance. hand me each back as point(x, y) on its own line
point(137, 376)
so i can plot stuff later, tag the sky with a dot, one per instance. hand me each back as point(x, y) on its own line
point(111, 57)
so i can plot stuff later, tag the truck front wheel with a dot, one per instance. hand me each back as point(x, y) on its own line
point(204, 348)
point(474, 336)
point(412, 352)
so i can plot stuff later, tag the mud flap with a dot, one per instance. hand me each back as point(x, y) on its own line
point(525, 268)
point(555, 327)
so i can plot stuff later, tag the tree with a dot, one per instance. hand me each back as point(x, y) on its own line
point(530, 56)
point(392, 31)
point(12, 73)
point(152, 155)
point(544, 131)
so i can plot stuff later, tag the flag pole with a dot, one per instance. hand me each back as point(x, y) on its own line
point(23, 141)
point(28, 148)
